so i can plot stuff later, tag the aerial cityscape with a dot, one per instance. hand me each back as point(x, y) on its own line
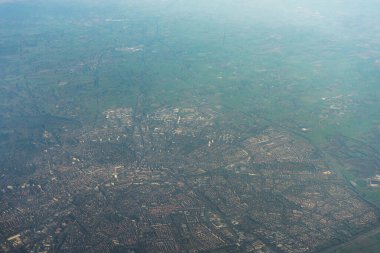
point(186, 126)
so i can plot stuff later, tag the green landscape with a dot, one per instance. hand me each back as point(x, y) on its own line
point(304, 72)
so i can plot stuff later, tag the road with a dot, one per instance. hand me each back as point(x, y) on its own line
point(354, 241)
